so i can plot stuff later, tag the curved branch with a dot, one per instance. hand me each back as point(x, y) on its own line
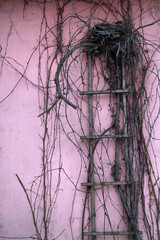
point(56, 79)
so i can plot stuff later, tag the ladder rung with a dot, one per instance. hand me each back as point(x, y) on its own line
point(105, 92)
point(105, 183)
point(107, 233)
point(105, 136)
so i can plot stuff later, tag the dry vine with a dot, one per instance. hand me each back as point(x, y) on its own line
point(121, 60)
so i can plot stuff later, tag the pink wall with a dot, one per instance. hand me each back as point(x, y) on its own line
point(22, 130)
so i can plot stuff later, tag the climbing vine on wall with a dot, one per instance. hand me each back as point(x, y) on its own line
point(112, 34)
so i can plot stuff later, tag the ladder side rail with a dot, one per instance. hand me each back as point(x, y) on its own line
point(91, 169)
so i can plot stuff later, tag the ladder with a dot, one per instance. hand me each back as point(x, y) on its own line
point(121, 91)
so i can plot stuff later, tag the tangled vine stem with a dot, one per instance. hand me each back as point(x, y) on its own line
point(100, 71)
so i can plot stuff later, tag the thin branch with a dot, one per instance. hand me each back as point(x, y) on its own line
point(33, 215)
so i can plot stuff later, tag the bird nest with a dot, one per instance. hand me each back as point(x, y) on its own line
point(113, 37)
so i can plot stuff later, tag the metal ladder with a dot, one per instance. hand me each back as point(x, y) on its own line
point(90, 138)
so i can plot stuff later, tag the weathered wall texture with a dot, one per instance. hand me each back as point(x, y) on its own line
point(28, 41)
